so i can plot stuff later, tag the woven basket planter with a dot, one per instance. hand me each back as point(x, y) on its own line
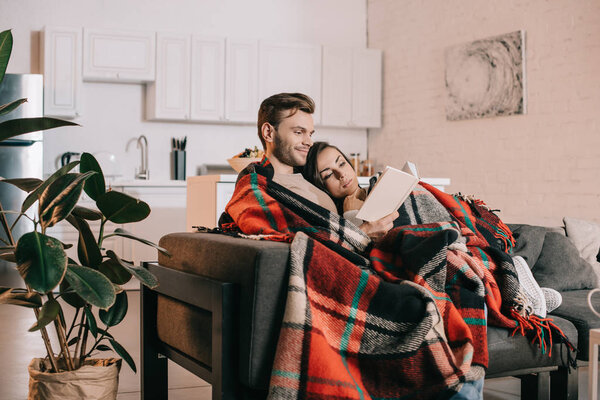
point(97, 379)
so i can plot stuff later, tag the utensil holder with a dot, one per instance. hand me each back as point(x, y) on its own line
point(178, 165)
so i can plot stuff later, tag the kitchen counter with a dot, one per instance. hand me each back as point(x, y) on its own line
point(146, 183)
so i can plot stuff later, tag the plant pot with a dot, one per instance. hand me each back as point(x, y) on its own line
point(97, 379)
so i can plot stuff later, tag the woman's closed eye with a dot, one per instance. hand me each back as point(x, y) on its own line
point(327, 176)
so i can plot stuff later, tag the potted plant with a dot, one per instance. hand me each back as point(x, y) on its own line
point(53, 280)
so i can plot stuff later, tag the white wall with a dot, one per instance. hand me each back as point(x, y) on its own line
point(113, 114)
point(536, 168)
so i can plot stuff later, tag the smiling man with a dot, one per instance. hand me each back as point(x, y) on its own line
point(285, 128)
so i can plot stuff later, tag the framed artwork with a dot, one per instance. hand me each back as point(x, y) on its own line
point(486, 78)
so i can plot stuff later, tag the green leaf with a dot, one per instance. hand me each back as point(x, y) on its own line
point(41, 261)
point(142, 274)
point(20, 298)
point(87, 247)
point(86, 213)
point(91, 285)
point(25, 184)
point(33, 196)
point(103, 347)
point(114, 315)
point(124, 354)
point(95, 186)
point(19, 126)
point(73, 341)
point(6, 108)
point(60, 198)
point(6, 42)
point(48, 313)
point(91, 321)
point(129, 235)
point(69, 295)
point(115, 272)
point(121, 208)
point(105, 333)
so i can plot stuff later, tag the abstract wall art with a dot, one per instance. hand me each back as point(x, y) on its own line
point(486, 78)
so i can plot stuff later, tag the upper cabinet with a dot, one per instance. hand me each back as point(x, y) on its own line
point(241, 82)
point(212, 79)
point(351, 87)
point(285, 67)
point(60, 55)
point(118, 56)
point(168, 97)
point(207, 79)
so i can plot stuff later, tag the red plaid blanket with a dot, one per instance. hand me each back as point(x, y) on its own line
point(416, 328)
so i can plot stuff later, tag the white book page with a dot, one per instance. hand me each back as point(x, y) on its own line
point(390, 191)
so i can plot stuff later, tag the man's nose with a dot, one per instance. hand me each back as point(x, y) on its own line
point(308, 140)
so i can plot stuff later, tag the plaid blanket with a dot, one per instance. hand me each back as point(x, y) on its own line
point(403, 317)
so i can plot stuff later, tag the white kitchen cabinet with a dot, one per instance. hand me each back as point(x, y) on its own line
point(241, 82)
point(366, 88)
point(168, 98)
point(60, 56)
point(351, 87)
point(119, 56)
point(207, 79)
point(285, 67)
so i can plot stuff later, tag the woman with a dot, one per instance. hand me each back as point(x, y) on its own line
point(331, 171)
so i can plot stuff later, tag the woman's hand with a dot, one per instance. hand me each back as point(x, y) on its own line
point(377, 229)
point(355, 200)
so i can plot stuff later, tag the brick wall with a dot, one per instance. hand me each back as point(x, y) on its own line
point(536, 168)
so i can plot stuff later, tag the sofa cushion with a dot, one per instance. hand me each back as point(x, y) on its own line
point(529, 241)
point(574, 307)
point(260, 270)
point(560, 267)
point(510, 353)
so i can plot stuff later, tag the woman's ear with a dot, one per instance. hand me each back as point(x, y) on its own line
point(268, 132)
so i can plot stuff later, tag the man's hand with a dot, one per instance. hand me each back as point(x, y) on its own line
point(355, 200)
point(377, 229)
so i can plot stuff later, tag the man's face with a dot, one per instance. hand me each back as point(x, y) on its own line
point(293, 138)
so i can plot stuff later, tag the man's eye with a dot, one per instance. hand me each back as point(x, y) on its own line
point(298, 133)
point(342, 163)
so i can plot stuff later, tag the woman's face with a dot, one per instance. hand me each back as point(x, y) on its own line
point(337, 174)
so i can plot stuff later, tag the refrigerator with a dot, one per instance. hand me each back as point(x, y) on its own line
point(20, 157)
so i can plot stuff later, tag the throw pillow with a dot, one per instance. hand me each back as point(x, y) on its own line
point(560, 267)
point(585, 235)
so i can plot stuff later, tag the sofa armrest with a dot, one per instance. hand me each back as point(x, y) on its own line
point(259, 269)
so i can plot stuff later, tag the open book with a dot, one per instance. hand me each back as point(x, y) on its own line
point(390, 191)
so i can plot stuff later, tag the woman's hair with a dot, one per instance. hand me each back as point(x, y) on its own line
point(279, 106)
point(310, 172)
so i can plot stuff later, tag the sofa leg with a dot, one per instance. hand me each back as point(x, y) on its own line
point(535, 386)
point(153, 376)
point(564, 385)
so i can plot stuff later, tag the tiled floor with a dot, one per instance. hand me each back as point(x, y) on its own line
point(18, 347)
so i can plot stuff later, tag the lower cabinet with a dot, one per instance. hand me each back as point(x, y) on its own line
point(167, 215)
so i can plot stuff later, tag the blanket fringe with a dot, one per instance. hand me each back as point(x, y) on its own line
point(544, 332)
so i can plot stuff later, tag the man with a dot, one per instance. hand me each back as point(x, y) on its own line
point(285, 129)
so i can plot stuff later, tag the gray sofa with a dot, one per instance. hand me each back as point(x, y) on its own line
point(218, 310)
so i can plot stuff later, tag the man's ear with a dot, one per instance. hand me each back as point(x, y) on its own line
point(268, 132)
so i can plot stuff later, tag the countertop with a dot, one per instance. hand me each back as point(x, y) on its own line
point(146, 183)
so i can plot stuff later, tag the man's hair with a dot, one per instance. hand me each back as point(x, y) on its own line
point(280, 106)
point(310, 171)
